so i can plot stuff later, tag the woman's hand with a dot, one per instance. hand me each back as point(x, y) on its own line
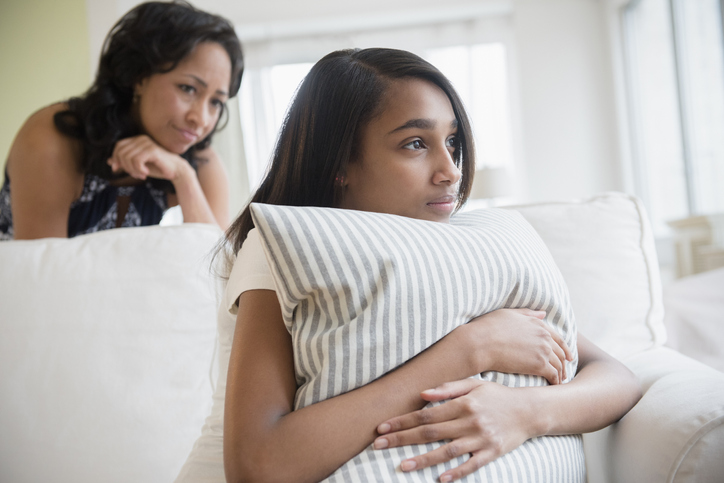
point(483, 419)
point(203, 196)
point(517, 341)
point(141, 157)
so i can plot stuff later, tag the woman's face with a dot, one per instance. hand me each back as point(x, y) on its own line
point(179, 108)
point(405, 165)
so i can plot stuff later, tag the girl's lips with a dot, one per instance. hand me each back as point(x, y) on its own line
point(445, 204)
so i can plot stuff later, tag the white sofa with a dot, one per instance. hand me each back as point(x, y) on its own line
point(110, 353)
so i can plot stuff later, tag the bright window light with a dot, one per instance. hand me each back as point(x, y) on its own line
point(478, 72)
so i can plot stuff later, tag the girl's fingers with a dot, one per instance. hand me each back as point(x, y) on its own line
point(451, 390)
point(552, 373)
point(423, 417)
point(476, 461)
point(450, 429)
point(442, 454)
point(561, 343)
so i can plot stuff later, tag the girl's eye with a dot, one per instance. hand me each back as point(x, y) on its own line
point(187, 88)
point(217, 103)
point(452, 142)
point(416, 144)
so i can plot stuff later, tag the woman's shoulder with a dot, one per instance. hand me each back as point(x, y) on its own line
point(41, 144)
point(43, 153)
point(38, 132)
point(42, 120)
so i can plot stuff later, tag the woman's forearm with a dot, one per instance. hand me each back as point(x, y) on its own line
point(191, 198)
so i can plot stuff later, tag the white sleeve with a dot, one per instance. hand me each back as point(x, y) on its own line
point(250, 272)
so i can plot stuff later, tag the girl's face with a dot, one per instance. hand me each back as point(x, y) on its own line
point(179, 108)
point(405, 164)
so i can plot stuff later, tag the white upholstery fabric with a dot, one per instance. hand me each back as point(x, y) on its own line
point(695, 317)
point(105, 354)
point(605, 249)
point(676, 432)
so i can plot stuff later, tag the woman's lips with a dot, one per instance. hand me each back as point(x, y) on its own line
point(189, 136)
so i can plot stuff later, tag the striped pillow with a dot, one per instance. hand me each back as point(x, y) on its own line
point(361, 293)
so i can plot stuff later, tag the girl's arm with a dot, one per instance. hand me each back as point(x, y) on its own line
point(44, 177)
point(265, 440)
point(489, 420)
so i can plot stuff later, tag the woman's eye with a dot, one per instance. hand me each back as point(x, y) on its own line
point(416, 144)
point(187, 88)
point(217, 103)
point(452, 142)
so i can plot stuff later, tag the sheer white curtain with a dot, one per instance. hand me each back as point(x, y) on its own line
point(674, 56)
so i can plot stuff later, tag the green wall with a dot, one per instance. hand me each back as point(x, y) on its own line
point(44, 58)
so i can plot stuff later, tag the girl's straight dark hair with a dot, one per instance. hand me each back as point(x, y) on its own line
point(151, 38)
point(324, 124)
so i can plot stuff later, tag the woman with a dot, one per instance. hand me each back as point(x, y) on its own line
point(382, 130)
point(139, 141)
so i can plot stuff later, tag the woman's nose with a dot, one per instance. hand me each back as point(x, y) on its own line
point(199, 114)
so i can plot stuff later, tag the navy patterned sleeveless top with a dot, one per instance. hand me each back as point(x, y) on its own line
point(97, 207)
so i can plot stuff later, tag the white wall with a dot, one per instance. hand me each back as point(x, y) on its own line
point(568, 142)
point(567, 102)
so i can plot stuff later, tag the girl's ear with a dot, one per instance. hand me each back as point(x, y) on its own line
point(340, 180)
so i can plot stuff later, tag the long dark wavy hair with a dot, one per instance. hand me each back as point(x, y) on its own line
point(323, 127)
point(151, 38)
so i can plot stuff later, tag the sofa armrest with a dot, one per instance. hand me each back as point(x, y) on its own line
point(676, 431)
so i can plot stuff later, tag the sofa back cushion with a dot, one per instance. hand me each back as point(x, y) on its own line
point(106, 353)
point(605, 249)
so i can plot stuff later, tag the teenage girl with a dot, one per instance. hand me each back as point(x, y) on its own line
point(382, 130)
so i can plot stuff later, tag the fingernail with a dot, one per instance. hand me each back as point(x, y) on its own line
point(381, 443)
point(408, 465)
point(445, 478)
point(383, 428)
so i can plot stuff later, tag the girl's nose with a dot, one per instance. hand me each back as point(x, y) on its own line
point(446, 170)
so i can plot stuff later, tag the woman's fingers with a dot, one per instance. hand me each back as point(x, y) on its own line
point(140, 157)
point(125, 157)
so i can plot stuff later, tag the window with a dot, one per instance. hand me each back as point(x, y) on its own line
point(674, 54)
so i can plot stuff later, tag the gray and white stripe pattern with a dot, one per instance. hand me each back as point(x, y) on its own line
point(362, 293)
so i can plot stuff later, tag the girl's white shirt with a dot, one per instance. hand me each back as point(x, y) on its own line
point(250, 272)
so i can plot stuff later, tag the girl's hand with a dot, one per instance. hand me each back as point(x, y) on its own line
point(517, 341)
point(141, 157)
point(483, 419)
